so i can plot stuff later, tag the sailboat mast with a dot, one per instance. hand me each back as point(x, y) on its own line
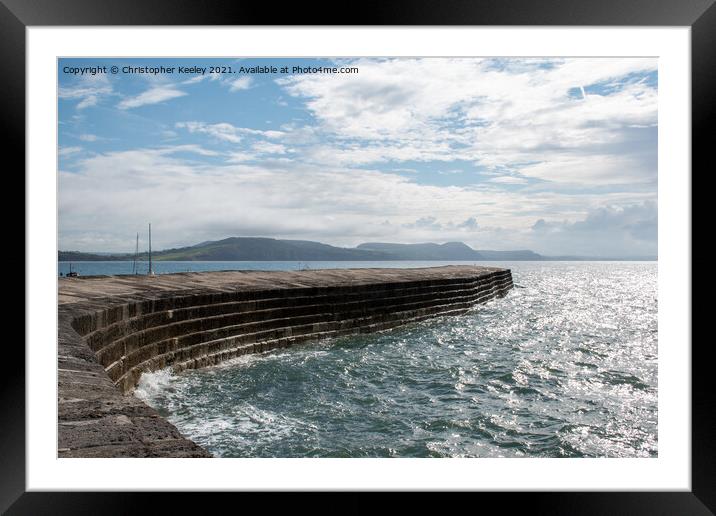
point(136, 252)
point(151, 272)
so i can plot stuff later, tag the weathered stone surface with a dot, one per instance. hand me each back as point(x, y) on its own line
point(114, 328)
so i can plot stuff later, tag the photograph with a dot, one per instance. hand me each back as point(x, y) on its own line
point(358, 257)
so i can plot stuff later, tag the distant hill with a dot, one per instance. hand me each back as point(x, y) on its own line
point(448, 251)
point(242, 249)
point(77, 256)
point(265, 249)
point(271, 249)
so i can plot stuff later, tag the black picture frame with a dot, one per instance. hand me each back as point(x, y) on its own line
point(700, 15)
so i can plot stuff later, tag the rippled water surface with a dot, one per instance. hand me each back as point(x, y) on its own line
point(564, 366)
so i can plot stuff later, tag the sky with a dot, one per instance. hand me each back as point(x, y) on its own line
point(558, 156)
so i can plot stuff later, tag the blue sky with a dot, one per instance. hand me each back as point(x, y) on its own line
point(554, 155)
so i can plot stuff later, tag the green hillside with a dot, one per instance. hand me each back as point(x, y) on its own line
point(271, 249)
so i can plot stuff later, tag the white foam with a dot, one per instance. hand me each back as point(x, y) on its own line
point(152, 384)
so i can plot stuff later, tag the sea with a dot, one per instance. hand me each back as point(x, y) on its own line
point(565, 365)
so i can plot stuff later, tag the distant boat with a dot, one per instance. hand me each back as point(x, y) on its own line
point(72, 274)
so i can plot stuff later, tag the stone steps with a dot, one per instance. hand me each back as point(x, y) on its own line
point(177, 328)
point(341, 320)
point(133, 313)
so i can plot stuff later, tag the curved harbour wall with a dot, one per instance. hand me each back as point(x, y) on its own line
point(114, 328)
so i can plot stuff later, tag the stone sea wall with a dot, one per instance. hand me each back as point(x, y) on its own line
point(114, 328)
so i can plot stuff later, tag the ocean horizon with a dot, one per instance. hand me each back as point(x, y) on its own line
point(111, 268)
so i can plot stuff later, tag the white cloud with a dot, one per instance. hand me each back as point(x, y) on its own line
point(508, 114)
point(606, 231)
point(591, 170)
point(240, 157)
point(508, 180)
point(470, 224)
point(376, 152)
point(88, 137)
point(269, 148)
point(88, 89)
point(221, 131)
point(153, 95)
point(225, 131)
point(88, 101)
point(189, 201)
point(270, 133)
point(66, 151)
point(242, 83)
point(194, 80)
point(196, 149)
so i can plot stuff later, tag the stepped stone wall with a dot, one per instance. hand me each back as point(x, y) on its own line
point(114, 328)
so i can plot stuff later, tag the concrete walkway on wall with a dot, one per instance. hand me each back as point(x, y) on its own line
point(85, 288)
point(114, 328)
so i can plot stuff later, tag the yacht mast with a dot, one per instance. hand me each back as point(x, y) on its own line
point(151, 272)
point(136, 252)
